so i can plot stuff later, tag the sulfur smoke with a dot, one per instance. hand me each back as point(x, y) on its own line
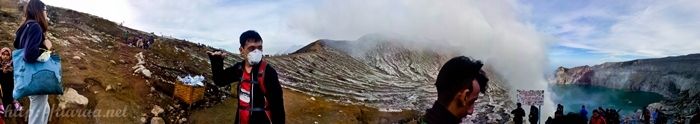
point(495, 31)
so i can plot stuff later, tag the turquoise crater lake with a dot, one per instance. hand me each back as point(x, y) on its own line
point(573, 96)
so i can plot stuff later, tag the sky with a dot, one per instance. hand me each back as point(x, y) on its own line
point(596, 31)
point(574, 32)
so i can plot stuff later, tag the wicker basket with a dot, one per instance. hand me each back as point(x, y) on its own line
point(188, 94)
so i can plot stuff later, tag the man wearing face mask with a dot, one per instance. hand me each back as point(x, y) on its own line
point(458, 84)
point(259, 90)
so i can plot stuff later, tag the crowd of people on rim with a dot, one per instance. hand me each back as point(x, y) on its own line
point(139, 40)
point(601, 115)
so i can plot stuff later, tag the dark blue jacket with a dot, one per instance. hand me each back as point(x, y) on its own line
point(30, 37)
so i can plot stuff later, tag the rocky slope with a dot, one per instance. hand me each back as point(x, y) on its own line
point(378, 81)
point(387, 74)
point(379, 72)
point(676, 78)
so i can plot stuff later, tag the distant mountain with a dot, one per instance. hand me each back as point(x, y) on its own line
point(376, 71)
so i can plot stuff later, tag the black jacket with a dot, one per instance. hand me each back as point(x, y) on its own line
point(518, 115)
point(30, 40)
point(223, 77)
point(7, 83)
point(439, 114)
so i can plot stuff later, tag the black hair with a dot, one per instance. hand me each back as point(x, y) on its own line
point(533, 109)
point(247, 35)
point(456, 75)
point(34, 10)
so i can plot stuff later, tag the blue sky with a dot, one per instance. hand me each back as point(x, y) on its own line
point(596, 31)
point(574, 32)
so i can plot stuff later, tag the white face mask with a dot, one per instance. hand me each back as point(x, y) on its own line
point(254, 57)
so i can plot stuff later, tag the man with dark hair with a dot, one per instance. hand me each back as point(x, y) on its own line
point(660, 117)
point(646, 116)
point(259, 90)
point(559, 115)
point(534, 115)
point(458, 84)
point(597, 118)
point(518, 114)
point(696, 118)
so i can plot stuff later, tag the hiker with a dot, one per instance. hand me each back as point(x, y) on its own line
point(149, 42)
point(139, 41)
point(126, 37)
point(6, 78)
point(646, 116)
point(660, 117)
point(597, 118)
point(518, 114)
point(583, 112)
point(534, 115)
point(559, 114)
point(259, 90)
point(613, 116)
point(32, 39)
point(549, 120)
point(7, 82)
point(458, 85)
point(696, 118)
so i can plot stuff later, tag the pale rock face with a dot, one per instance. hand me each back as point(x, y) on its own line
point(157, 120)
point(666, 76)
point(139, 67)
point(677, 78)
point(157, 110)
point(71, 99)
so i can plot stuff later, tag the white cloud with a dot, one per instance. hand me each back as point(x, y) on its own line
point(217, 23)
point(630, 28)
point(663, 29)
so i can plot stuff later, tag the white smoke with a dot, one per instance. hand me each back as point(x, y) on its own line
point(493, 30)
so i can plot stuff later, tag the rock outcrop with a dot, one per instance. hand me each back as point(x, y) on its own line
point(677, 78)
point(71, 99)
point(139, 67)
point(666, 76)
